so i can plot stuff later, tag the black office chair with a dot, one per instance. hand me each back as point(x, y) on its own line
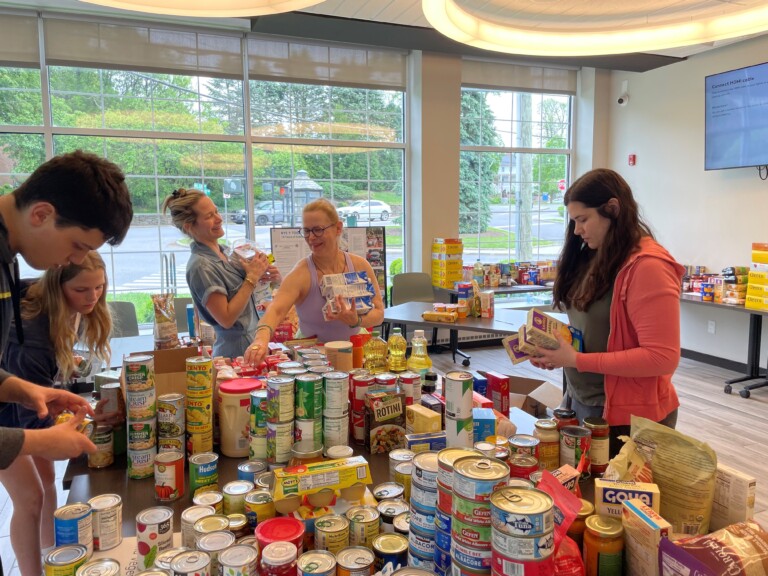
point(124, 321)
point(413, 287)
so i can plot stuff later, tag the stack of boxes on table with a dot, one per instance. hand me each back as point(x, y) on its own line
point(447, 261)
point(757, 287)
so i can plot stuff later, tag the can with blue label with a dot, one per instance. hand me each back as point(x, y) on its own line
point(419, 561)
point(422, 518)
point(442, 539)
point(73, 524)
point(469, 557)
point(442, 558)
point(424, 497)
point(390, 549)
point(422, 542)
point(442, 520)
point(522, 512)
point(248, 470)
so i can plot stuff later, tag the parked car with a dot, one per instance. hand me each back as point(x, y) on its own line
point(366, 210)
point(265, 212)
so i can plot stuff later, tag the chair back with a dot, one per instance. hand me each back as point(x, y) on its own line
point(124, 321)
point(412, 287)
point(180, 307)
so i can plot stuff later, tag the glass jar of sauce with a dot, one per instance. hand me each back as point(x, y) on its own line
point(279, 559)
point(579, 525)
point(549, 444)
point(599, 448)
point(603, 546)
point(565, 417)
point(306, 452)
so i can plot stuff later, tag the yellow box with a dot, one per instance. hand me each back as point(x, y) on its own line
point(610, 494)
point(452, 261)
point(760, 256)
point(420, 419)
point(756, 303)
point(335, 474)
point(759, 290)
point(758, 277)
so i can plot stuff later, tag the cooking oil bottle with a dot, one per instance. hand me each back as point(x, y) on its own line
point(419, 360)
point(375, 354)
point(396, 351)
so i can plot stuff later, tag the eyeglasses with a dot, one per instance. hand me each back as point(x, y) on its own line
point(317, 231)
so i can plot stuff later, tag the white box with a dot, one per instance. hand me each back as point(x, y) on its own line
point(643, 529)
point(734, 499)
point(611, 494)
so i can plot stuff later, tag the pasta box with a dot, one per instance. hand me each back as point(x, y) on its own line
point(384, 421)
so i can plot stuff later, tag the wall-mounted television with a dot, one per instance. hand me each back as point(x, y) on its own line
point(736, 118)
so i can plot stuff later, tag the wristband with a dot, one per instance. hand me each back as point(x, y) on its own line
point(266, 327)
point(251, 282)
point(359, 322)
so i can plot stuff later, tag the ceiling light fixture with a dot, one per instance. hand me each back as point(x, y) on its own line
point(459, 24)
point(208, 8)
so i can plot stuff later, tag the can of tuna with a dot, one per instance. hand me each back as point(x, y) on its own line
point(390, 549)
point(238, 560)
point(154, 534)
point(520, 483)
point(169, 476)
point(574, 441)
point(199, 376)
point(442, 539)
point(176, 444)
point(470, 557)
point(141, 404)
point(214, 543)
point(410, 384)
point(442, 518)
point(248, 470)
point(257, 447)
point(402, 523)
point(422, 542)
point(458, 569)
point(425, 469)
point(457, 390)
point(100, 567)
point(422, 564)
point(210, 524)
point(199, 414)
point(258, 419)
point(476, 477)
point(500, 565)
point(522, 512)
point(524, 444)
point(444, 499)
point(203, 471)
point(523, 547)
point(364, 525)
point(422, 518)
point(188, 518)
point(361, 384)
point(332, 533)
point(471, 511)
point(259, 506)
point(234, 496)
point(171, 416)
point(443, 558)
point(238, 525)
point(473, 535)
point(424, 497)
point(279, 442)
point(106, 521)
point(388, 510)
point(336, 388)
point(397, 456)
point(522, 465)
point(280, 399)
point(191, 562)
point(197, 443)
point(103, 440)
point(212, 498)
point(388, 490)
point(309, 396)
point(317, 563)
point(355, 561)
point(73, 524)
point(249, 540)
point(311, 430)
point(458, 432)
point(65, 560)
point(139, 372)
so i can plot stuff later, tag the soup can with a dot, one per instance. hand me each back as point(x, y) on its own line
point(99, 567)
point(189, 516)
point(258, 412)
point(106, 521)
point(238, 560)
point(522, 466)
point(73, 524)
point(574, 442)
point(476, 477)
point(355, 561)
point(309, 396)
point(332, 533)
point(364, 525)
point(154, 534)
point(279, 442)
point(139, 372)
point(214, 543)
point(203, 471)
point(317, 563)
point(259, 506)
point(191, 563)
point(234, 496)
point(524, 444)
point(65, 560)
point(336, 388)
point(397, 456)
point(386, 381)
point(390, 549)
point(171, 415)
point(280, 399)
point(335, 431)
point(141, 404)
point(361, 383)
point(388, 490)
point(199, 376)
point(248, 470)
point(522, 512)
point(169, 476)
point(388, 509)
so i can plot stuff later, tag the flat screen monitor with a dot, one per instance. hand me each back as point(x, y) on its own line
point(736, 118)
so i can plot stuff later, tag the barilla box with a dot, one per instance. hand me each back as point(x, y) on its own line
point(384, 421)
point(480, 401)
point(311, 478)
point(432, 441)
point(611, 494)
point(498, 391)
point(483, 423)
point(540, 330)
point(420, 419)
point(643, 530)
point(511, 345)
point(479, 383)
point(436, 405)
point(567, 475)
point(734, 499)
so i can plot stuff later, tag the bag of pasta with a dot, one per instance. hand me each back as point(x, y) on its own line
point(166, 332)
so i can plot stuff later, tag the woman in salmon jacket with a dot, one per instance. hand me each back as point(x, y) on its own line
point(622, 290)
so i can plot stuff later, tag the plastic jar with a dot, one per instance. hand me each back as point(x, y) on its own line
point(579, 525)
point(234, 410)
point(279, 559)
point(599, 449)
point(549, 444)
point(603, 546)
point(306, 452)
point(565, 417)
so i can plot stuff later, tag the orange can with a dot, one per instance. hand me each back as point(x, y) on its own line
point(169, 476)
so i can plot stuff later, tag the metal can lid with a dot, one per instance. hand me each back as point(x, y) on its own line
point(587, 509)
point(100, 567)
point(546, 424)
point(259, 394)
point(458, 375)
point(294, 371)
point(520, 483)
point(402, 455)
point(212, 523)
point(391, 507)
point(172, 397)
point(307, 449)
point(190, 561)
point(402, 522)
point(409, 375)
point(523, 461)
point(576, 431)
point(264, 479)
point(215, 541)
point(203, 458)
point(278, 553)
point(155, 572)
point(389, 543)
point(320, 369)
point(523, 440)
point(387, 490)
point(481, 468)
point(163, 559)
point(140, 359)
point(385, 378)
point(338, 375)
point(249, 540)
point(210, 498)
point(595, 422)
point(154, 515)
point(72, 511)
point(604, 526)
point(306, 376)
point(199, 360)
point(355, 557)
point(362, 514)
point(521, 500)
point(64, 555)
point(237, 487)
point(237, 521)
point(405, 468)
point(238, 555)
point(279, 380)
point(447, 456)
point(252, 466)
point(563, 413)
point(317, 562)
point(288, 364)
point(426, 461)
point(169, 457)
point(105, 501)
point(332, 523)
point(258, 496)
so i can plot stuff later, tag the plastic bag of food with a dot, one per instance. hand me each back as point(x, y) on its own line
point(568, 560)
point(166, 332)
point(566, 504)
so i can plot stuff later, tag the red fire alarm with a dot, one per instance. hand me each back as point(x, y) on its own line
point(632, 159)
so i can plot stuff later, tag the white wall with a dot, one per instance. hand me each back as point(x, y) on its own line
point(707, 218)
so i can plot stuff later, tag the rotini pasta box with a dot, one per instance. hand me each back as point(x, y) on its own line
point(384, 421)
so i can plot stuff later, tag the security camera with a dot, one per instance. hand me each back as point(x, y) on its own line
point(623, 99)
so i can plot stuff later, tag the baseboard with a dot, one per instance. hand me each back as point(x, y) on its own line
point(714, 360)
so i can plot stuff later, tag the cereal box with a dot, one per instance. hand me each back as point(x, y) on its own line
point(498, 391)
point(480, 383)
point(420, 419)
point(384, 421)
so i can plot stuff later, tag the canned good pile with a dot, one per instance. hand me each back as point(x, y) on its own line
point(141, 400)
point(199, 412)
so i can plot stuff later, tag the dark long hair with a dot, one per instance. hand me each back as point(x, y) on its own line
point(585, 275)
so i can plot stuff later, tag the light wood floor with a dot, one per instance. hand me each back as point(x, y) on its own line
point(735, 427)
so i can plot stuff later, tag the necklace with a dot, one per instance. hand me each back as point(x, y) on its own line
point(333, 268)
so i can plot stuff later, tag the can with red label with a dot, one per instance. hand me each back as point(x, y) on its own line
point(360, 383)
point(522, 465)
point(280, 529)
point(386, 382)
point(169, 476)
point(358, 427)
point(410, 383)
point(524, 444)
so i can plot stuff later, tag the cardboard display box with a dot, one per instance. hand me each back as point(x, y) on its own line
point(170, 369)
point(533, 396)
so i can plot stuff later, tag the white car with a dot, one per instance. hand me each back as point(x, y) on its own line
point(366, 210)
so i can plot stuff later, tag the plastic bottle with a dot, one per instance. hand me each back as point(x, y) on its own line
point(375, 354)
point(478, 273)
point(396, 346)
point(419, 360)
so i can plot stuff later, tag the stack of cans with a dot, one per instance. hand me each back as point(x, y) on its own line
point(458, 392)
point(258, 439)
point(199, 413)
point(171, 423)
point(421, 539)
point(360, 382)
point(139, 373)
point(335, 429)
point(280, 416)
point(309, 407)
point(443, 511)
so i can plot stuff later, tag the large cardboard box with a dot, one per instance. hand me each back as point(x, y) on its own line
point(170, 369)
point(534, 396)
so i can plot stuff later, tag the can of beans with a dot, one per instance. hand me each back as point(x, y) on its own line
point(142, 434)
point(139, 372)
point(105, 454)
point(203, 471)
point(169, 476)
point(336, 389)
point(238, 560)
point(410, 383)
point(234, 496)
point(73, 524)
point(279, 442)
point(106, 521)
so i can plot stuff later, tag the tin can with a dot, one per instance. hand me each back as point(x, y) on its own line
point(485, 448)
point(212, 498)
point(199, 376)
point(65, 560)
point(358, 427)
point(502, 454)
point(599, 444)
point(459, 432)
point(311, 430)
point(188, 518)
point(264, 480)
point(209, 525)
point(317, 563)
point(442, 539)
point(442, 558)
point(386, 381)
point(106, 521)
point(238, 560)
point(549, 444)
point(171, 415)
point(141, 404)
point(355, 561)
point(279, 442)
point(154, 534)
point(100, 567)
point(471, 511)
point(203, 471)
point(176, 444)
point(535, 477)
point(335, 431)
point(388, 509)
point(475, 536)
point(316, 361)
point(423, 496)
point(234, 496)
point(422, 518)
point(444, 498)
point(522, 512)
point(249, 541)
point(139, 372)
point(361, 383)
point(425, 469)
point(257, 446)
point(332, 533)
point(574, 441)
point(445, 459)
point(309, 396)
point(214, 543)
point(524, 547)
point(142, 434)
point(259, 412)
point(191, 562)
point(248, 470)
point(397, 456)
point(73, 524)
point(418, 564)
point(238, 525)
point(169, 476)
point(259, 506)
point(86, 427)
point(500, 564)
point(442, 518)
point(105, 454)
point(469, 557)
point(199, 414)
point(410, 384)
point(163, 559)
point(388, 490)
point(476, 477)
point(199, 443)
point(320, 369)
point(403, 473)
point(421, 541)
point(336, 388)
point(295, 371)
point(390, 549)
point(521, 483)
point(524, 444)
point(522, 465)
point(457, 390)
point(402, 523)
point(364, 525)
point(112, 396)
point(280, 399)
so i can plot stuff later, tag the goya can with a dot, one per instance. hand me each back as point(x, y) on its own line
point(522, 512)
point(332, 533)
point(280, 399)
point(458, 393)
point(336, 390)
point(445, 459)
point(73, 524)
point(364, 525)
point(188, 518)
point(355, 561)
point(471, 511)
point(388, 509)
point(238, 560)
point(574, 442)
point(65, 560)
point(154, 534)
point(476, 477)
point(139, 372)
point(259, 412)
point(248, 470)
point(199, 376)
point(388, 490)
point(169, 476)
point(476, 536)
point(309, 396)
point(106, 521)
point(308, 430)
point(425, 469)
point(259, 506)
point(390, 549)
point(192, 563)
point(99, 567)
point(317, 563)
point(234, 496)
point(212, 498)
point(203, 471)
point(171, 416)
point(279, 442)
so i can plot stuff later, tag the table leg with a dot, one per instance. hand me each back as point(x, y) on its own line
point(753, 353)
point(454, 341)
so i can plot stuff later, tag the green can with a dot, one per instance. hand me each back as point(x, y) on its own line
point(259, 413)
point(309, 396)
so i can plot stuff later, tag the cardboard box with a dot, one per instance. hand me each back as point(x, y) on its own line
point(534, 396)
point(420, 419)
point(498, 391)
point(483, 423)
point(734, 497)
point(610, 495)
point(480, 401)
point(170, 369)
point(643, 530)
point(567, 475)
point(384, 421)
point(313, 477)
point(432, 441)
point(480, 383)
